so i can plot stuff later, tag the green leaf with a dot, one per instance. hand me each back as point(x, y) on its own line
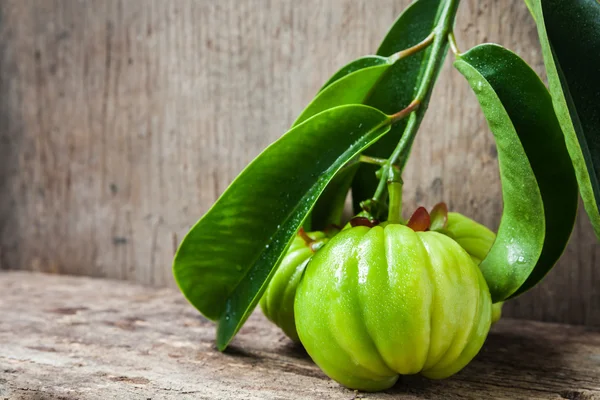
point(356, 65)
point(226, 260)
point(569, 33)
point(411, 27)
point(349, 89)
point(539, 188)
point(399, 85)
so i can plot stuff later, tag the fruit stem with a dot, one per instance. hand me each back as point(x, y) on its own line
point(394, 185)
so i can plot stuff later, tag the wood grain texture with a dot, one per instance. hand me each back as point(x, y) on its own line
point(83, 338)
point(123, 120)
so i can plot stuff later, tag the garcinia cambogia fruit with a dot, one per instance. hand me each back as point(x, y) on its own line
point(378, 302)
point(472, 236)
point(277, 302)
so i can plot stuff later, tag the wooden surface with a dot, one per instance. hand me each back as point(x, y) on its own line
point(123, 120)
point(83, 338)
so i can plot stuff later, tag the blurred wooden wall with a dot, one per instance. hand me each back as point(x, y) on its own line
point(123, 120)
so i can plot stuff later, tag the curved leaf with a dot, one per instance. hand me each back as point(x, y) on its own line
point(226, 260)
point(398, 87)
point(356, 65)
point(569, 33)
point(351, 89)
point(538, 181)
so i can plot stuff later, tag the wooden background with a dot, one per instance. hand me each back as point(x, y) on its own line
point(123, 120)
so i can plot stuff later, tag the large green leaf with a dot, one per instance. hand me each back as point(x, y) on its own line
point(539, 188)
point(399, 85)
point(226, 260)
point(351, 88)
point(569, 33)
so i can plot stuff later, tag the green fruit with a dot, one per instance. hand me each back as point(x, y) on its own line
point(278, 301)
point(476, 239)
point(376, 303)
point(497, 311)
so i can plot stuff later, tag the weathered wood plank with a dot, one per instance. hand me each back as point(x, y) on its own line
point(83, 338)
point(123, 120)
